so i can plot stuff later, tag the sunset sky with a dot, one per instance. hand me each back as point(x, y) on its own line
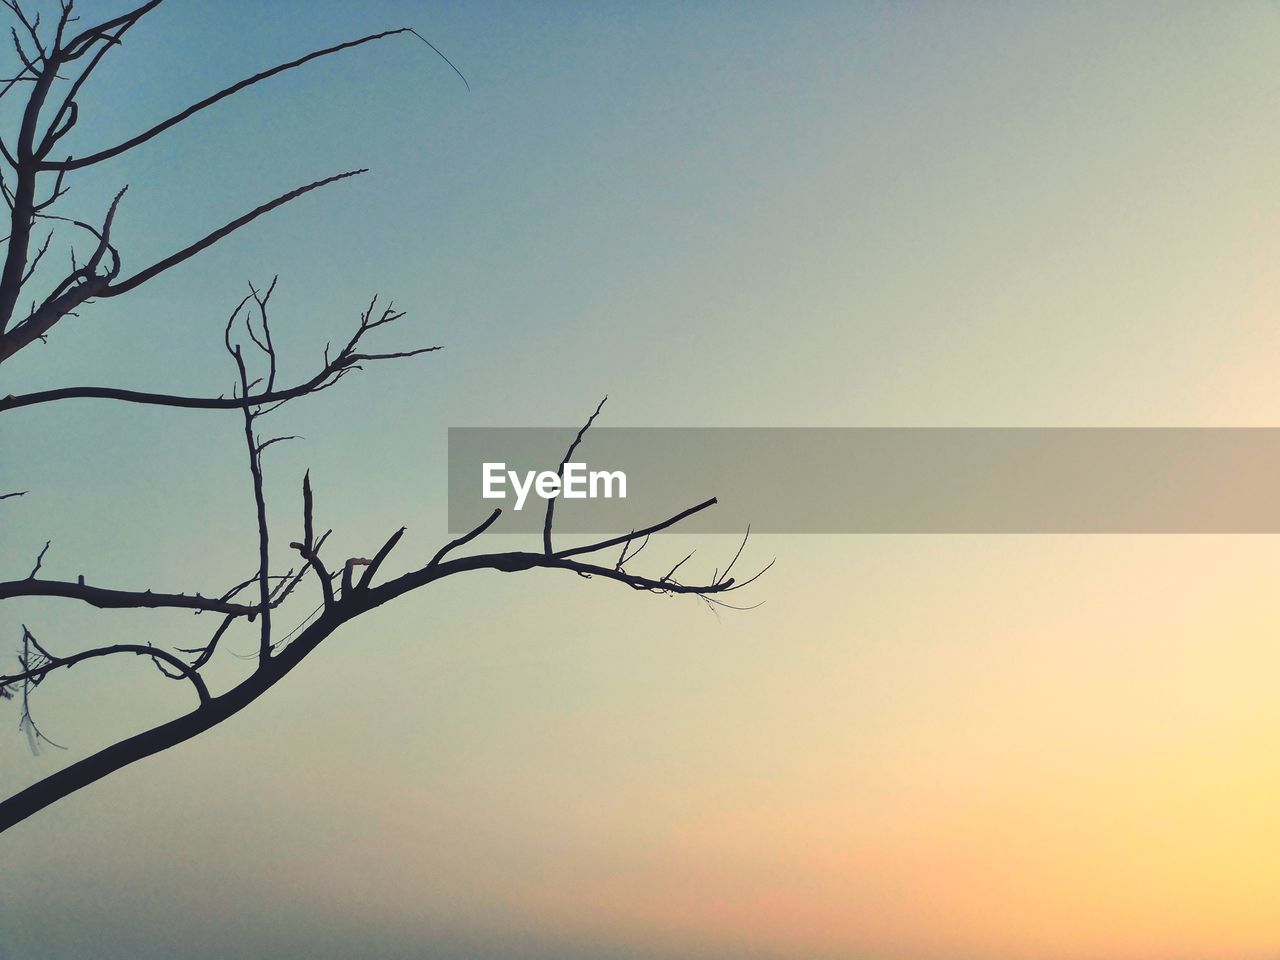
point(721, 214)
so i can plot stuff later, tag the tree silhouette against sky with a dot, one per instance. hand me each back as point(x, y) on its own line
point(53, 62)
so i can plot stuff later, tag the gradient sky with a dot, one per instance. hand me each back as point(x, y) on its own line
point(920, 748)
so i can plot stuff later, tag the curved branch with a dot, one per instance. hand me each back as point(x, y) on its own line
point(76, 49)
point(171, 400)
point(80, 162)
point(57, 663)
point(464, 539)
point(81, 285)
point(518, 561)
point(205, 242)
point(83, 40)
point(105, 598)
point(551, 501)
point(333, 370)
point(333, 615)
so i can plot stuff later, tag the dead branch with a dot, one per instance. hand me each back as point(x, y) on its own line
point(249, 341)
point(551, 501)
point(350, 357)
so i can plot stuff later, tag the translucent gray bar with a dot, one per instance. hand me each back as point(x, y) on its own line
point(889, 480)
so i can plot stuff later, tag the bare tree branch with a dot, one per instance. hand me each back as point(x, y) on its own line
point(551, 501)
point(38, 673)
point(79, 286)
point(271, 671)
point(106, 598)
point(254, 354)
point(333, 369)
point(39, 560)
point(309, 547)
point(255, 464)
point(464, 539)
point(644, 532)
point(378, 558)
point(209, 240)
point(209, 101)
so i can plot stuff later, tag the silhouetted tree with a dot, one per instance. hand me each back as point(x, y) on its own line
point(54, 63)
